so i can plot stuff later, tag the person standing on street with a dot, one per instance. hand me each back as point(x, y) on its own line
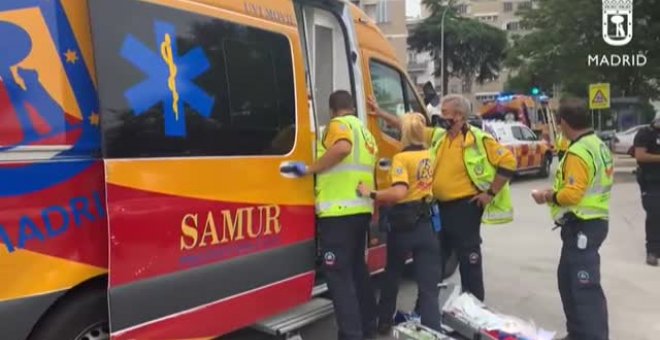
point(471, 182)
point(647, 154)
point(579, 203)
point(346, 156)
point(411, 230)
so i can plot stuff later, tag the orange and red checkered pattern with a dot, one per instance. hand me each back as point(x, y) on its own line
point(529, 155)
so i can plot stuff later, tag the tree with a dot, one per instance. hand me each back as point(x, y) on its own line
point(473, 50)
point(566, 32)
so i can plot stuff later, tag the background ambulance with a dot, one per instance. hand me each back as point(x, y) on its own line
point(533, 154)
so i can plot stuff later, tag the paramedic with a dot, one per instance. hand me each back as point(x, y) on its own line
point(346, 156)
point(579, 203)
point(410, 227)
point(471, 185)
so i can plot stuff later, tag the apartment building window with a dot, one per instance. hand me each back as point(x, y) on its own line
point(513, 26)
point(467, 87)
point(508, 7)
point(382, 11)
point(525, 5)
point(487, 18)
point(462, 9)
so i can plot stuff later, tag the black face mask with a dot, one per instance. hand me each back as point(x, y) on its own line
point(445, 123)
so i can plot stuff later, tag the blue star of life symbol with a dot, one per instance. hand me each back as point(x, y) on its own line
point(169, 78)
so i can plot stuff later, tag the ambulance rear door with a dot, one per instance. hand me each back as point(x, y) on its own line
point(201, 104)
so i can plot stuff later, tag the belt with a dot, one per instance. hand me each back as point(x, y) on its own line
point(571, 218)
point(455, 201)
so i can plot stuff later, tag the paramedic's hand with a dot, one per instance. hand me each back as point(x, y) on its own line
point(363, 190)
point(298, 169)
point(482, 199)
point(542, 196)
point(372, 105)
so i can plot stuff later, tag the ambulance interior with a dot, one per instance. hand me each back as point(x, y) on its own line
point(327, 58)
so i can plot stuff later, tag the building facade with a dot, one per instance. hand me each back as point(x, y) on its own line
point(390, 17)
point(396, 18)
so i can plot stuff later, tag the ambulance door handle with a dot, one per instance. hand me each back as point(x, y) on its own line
point(384, 164)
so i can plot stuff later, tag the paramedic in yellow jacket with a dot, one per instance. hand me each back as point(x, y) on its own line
point(346, 156)
point(579, 203)
point(411, 230)
point(472, 171)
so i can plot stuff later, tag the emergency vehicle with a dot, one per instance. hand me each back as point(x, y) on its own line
point(537, 113)
point(527, 126)
point(140, 152)
point(533, 154)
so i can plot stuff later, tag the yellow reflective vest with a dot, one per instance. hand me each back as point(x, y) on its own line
point(336, 188)
point(596, 201)
point(481, 173)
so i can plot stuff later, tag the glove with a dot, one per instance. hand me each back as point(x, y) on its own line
point(298, 169)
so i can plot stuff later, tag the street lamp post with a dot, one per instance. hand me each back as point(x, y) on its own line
point(442, 50)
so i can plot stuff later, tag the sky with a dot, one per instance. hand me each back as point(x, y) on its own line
point(413, 8)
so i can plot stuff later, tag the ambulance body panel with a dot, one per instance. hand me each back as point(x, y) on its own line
point(53, 234)
point(140, 152)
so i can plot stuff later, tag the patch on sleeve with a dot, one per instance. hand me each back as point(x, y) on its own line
point(398, 170)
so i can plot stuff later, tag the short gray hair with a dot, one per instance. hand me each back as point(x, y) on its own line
point(462, 104)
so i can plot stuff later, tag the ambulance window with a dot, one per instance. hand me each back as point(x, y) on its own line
point(517, 133)
point(529, 134)
point(393, 94)
point(234, 90)
point(413, 103)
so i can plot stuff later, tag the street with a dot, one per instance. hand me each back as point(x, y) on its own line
point(521, 260)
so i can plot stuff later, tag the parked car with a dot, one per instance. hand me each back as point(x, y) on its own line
point(607, 136)
point(623, 141)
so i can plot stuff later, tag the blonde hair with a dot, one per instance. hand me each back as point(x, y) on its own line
point(412, 129)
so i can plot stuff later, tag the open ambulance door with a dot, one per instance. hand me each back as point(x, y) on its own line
point(201, 106)
point(334, 63)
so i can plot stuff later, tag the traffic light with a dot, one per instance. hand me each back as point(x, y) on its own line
point(535, 91)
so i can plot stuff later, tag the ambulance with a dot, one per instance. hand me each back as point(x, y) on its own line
point(533, 154)
point(526, 126)
point(141, 143)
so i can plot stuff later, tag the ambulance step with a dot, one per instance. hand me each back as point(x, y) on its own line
point(319, 289)
point(296, 318)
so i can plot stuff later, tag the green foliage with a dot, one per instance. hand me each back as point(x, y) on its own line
point(472, 49)
point(566, 32)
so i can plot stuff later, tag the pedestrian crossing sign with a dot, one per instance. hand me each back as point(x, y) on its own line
point(599, 96)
